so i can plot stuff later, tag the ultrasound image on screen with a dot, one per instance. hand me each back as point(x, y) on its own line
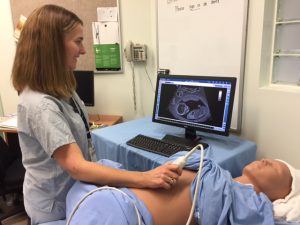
point(192, 104)
point(189, 104)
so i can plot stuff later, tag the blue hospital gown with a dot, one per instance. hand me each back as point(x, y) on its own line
point(221, 201)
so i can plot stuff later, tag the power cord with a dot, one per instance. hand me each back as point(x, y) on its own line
point(146, 71)
point(133, 85)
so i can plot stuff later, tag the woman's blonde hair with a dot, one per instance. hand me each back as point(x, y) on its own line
point(40, 60)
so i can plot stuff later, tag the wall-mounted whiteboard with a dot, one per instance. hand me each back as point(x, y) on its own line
point(204, 37)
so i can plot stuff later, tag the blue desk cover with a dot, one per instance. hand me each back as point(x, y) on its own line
point(231, 153)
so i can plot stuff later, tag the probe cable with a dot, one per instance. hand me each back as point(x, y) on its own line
point(197, 184)
point(101, 189)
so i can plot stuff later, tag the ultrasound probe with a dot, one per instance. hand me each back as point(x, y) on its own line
point(181, 161)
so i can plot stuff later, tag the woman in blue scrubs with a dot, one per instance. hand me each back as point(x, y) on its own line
point(53, 122)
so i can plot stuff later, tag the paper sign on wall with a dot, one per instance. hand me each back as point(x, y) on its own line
point(106, 33)
point(106, 39)
point(105, 14)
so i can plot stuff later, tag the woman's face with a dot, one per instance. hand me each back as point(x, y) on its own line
point(74, 46)
point(270, 176)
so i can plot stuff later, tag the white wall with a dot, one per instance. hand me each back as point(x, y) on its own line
point(114, 93)
point(270, 117)
point(7, 45)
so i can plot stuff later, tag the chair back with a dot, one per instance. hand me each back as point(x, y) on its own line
point(6, 158)
point(12, 171)
point(1, 114)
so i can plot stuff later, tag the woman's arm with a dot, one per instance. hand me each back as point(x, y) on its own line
point(71, 159)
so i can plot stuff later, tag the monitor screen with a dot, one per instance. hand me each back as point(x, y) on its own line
point(85, 86)
point(200, 103)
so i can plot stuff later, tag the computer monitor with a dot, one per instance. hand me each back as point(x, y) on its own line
point(196, 103)
point(85, 86)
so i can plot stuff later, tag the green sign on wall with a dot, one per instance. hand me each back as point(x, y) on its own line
point(107, 56)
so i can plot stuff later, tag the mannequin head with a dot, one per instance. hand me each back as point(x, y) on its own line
point(271, 177)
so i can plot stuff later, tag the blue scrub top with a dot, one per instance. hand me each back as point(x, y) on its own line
point(46, 123)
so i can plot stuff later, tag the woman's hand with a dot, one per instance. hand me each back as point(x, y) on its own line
point(163, 176)
point(71, 160)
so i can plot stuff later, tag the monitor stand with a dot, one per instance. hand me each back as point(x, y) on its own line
point(191, 139)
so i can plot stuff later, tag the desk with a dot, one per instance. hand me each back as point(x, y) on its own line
point(97, 119)
point(231, 153)
point(12, 140)
point(4, 129)
point(107, 120)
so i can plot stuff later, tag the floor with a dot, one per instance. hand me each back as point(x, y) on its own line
point(18, 217)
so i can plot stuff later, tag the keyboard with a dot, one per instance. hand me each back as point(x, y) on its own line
point(157, 146)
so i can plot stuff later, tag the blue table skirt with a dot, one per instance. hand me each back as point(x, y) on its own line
point(231, 153)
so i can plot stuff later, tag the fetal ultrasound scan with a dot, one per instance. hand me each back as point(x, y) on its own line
point(189, 104)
